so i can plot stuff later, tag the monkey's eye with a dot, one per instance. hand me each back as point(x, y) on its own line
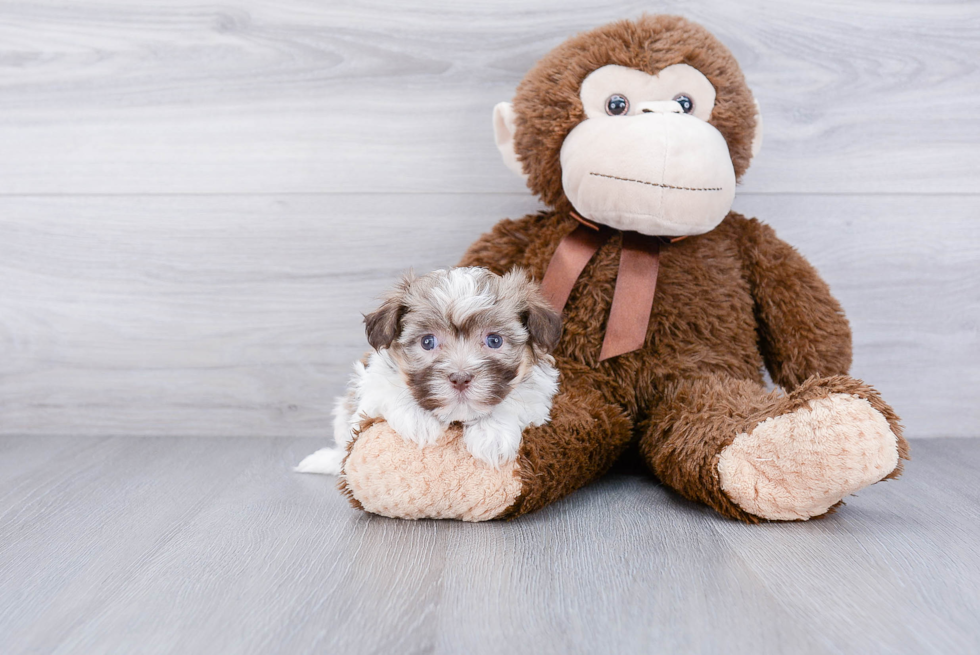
point(617, 105)
point(428, 342)
point(494, 341)
point(684, 100)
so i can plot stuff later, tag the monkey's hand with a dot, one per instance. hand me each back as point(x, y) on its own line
point(388, 475)
point(385, 474)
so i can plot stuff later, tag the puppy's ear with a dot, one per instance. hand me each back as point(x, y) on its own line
point(383, 325)
point(543, 323)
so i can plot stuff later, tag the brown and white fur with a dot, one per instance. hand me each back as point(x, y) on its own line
point(460, 345)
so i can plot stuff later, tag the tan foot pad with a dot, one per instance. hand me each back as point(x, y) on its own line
point(393, 477)
point(801, 464)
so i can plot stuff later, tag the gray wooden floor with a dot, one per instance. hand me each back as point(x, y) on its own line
point(196, 545)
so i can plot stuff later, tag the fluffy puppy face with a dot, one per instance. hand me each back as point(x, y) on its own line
point(464, 338)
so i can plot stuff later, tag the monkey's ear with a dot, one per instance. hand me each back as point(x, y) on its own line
point(543, 324)
point(383, 325)
point(504, 126)
point(757, 137)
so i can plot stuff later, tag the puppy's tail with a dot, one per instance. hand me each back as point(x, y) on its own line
point(327, 461)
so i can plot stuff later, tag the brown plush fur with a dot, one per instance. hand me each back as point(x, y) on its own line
point(682, 437)
point(548, 106)
point(728, 302)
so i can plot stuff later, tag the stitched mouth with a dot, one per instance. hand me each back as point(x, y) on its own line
point(662, 186)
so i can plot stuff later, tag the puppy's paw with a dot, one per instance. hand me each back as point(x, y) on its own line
point(415, 425)
point(327, 461)
point(428, 431)
point(492, 442)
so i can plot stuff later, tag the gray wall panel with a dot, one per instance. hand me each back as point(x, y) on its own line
point(196, 201)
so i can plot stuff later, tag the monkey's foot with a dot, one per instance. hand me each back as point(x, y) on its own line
point(801, 464)
point(388, 475)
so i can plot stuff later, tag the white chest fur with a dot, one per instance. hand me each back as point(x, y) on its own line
point(378, 390)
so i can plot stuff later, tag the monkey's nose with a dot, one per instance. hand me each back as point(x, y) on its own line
point(460, 379)
point(660, 107)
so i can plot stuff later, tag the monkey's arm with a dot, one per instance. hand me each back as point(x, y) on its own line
point(802, 329)
point(585, 436)
point(503, 247)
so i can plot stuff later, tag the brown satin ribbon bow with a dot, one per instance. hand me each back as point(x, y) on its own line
point(636, 281)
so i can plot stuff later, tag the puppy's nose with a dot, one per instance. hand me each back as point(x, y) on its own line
point(460, 379)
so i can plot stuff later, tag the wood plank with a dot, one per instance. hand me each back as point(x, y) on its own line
point(894, 545)
point(231, 315)
point(108, 304)
point(292, 96)
point(74, 542)
point(182, 545)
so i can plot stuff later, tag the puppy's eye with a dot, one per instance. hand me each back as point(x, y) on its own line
point(617, 105)
point(428, 342)
point(684, 100)
point(494, 340)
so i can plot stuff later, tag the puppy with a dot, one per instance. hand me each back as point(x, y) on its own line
point(461, 345)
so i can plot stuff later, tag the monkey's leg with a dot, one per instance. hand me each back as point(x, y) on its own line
point(754, 455)
point(387, 475)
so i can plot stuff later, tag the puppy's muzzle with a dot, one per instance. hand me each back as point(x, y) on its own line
point(460, 380)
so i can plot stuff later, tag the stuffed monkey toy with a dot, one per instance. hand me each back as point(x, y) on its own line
point(634, 135)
